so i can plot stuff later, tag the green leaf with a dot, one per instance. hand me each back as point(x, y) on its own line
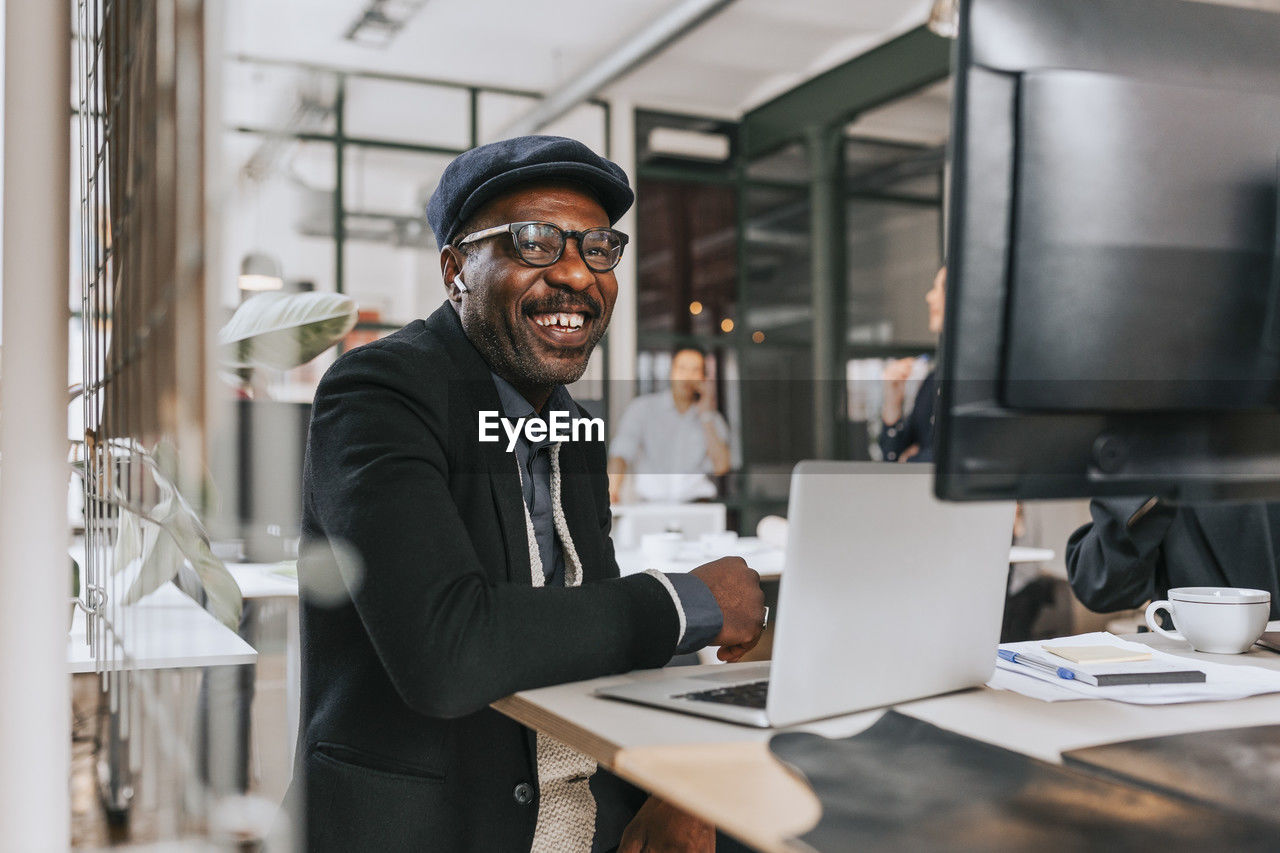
point(160, 555)
point(170, 532)
point(284, 330)
point(129, 543)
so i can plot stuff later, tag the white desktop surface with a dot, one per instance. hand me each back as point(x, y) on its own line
point(724, 773)
point(165, 630)
point(764, 558)
point(1025, 554)
point(261, 580)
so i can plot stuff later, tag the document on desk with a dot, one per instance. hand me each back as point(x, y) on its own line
point(1222, 680)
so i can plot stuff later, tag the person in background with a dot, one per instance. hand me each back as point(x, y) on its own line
point(669, 442)
point(909, 438)
point(904, 439)
point(1137, 549)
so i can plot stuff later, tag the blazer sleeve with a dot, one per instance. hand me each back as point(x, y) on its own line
point(450, 639)
point(896, 438)
point(1113, 560)
point(914, 427)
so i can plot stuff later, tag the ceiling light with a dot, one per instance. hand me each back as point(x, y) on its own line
point(260, 271)
point(690, 144)
point(380, 21)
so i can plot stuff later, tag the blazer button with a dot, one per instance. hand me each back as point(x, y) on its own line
point(523, 793)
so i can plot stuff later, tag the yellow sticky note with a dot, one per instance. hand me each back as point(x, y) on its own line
point(1096, 654)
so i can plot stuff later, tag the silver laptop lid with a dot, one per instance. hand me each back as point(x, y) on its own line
point(887, 594)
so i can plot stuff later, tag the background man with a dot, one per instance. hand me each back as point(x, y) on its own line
point(441, 573)
point(668, 442)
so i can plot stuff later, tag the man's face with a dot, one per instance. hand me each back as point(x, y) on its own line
point(536, 326)
point(688, 371)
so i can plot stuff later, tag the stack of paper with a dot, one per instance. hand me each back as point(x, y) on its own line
point(1222, 680)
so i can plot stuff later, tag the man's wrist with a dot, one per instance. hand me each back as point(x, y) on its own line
point(699, 614)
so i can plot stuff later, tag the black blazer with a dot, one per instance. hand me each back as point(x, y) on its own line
point(916, 428)
point(417, 609)
point(1114, 566)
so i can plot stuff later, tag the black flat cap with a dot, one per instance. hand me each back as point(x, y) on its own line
point(487, 171)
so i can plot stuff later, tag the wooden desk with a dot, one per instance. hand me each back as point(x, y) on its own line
point(725, 774)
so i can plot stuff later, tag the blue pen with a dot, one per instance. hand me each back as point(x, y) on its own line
point(1034, 663)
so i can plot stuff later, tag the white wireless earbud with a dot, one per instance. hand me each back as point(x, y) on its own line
point(459, 283)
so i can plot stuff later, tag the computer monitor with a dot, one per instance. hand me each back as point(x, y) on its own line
point(1113, 304)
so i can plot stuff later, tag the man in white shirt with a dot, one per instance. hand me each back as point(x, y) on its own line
point(669, 443)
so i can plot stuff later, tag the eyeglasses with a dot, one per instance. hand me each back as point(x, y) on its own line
point(541, 244)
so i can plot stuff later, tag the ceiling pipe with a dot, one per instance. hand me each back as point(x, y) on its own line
point(619, 60)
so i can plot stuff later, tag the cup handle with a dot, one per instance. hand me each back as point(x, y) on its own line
point(1152, 609)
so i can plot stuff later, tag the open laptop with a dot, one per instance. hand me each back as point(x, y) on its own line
point(887, 595)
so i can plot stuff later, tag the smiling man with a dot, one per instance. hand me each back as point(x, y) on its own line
point(441, 572)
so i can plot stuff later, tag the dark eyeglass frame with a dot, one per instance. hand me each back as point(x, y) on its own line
point(513, 228)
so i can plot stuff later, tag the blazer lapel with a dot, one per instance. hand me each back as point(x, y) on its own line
point(475, 392)
point(509, 503)
point(1240, 539)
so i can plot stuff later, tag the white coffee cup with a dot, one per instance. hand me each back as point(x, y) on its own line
point(1218, 619)
point(720, 544)
point(662, 547)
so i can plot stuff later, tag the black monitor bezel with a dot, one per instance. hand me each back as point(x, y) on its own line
point(984, 449)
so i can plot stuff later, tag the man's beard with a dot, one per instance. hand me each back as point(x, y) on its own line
point(513, 353)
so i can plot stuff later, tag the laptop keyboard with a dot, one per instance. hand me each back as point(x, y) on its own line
point(749, 695)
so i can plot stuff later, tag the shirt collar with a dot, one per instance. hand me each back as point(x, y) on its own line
point(514, 405)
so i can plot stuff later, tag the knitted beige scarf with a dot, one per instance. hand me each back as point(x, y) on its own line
point(566, 806)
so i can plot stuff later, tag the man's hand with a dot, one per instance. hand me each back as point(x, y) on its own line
point(717, 447)
point(896, 374)
point(617, 473)
point(736, 587)
point(707, 397)
point(660, 827)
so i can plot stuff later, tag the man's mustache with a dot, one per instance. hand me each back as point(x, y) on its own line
point(581, 304)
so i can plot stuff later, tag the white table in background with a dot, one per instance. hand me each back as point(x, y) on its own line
point(1025, 554)
point(634, 520)
point(165, 630)
point(267, 581)
point(764, 558)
